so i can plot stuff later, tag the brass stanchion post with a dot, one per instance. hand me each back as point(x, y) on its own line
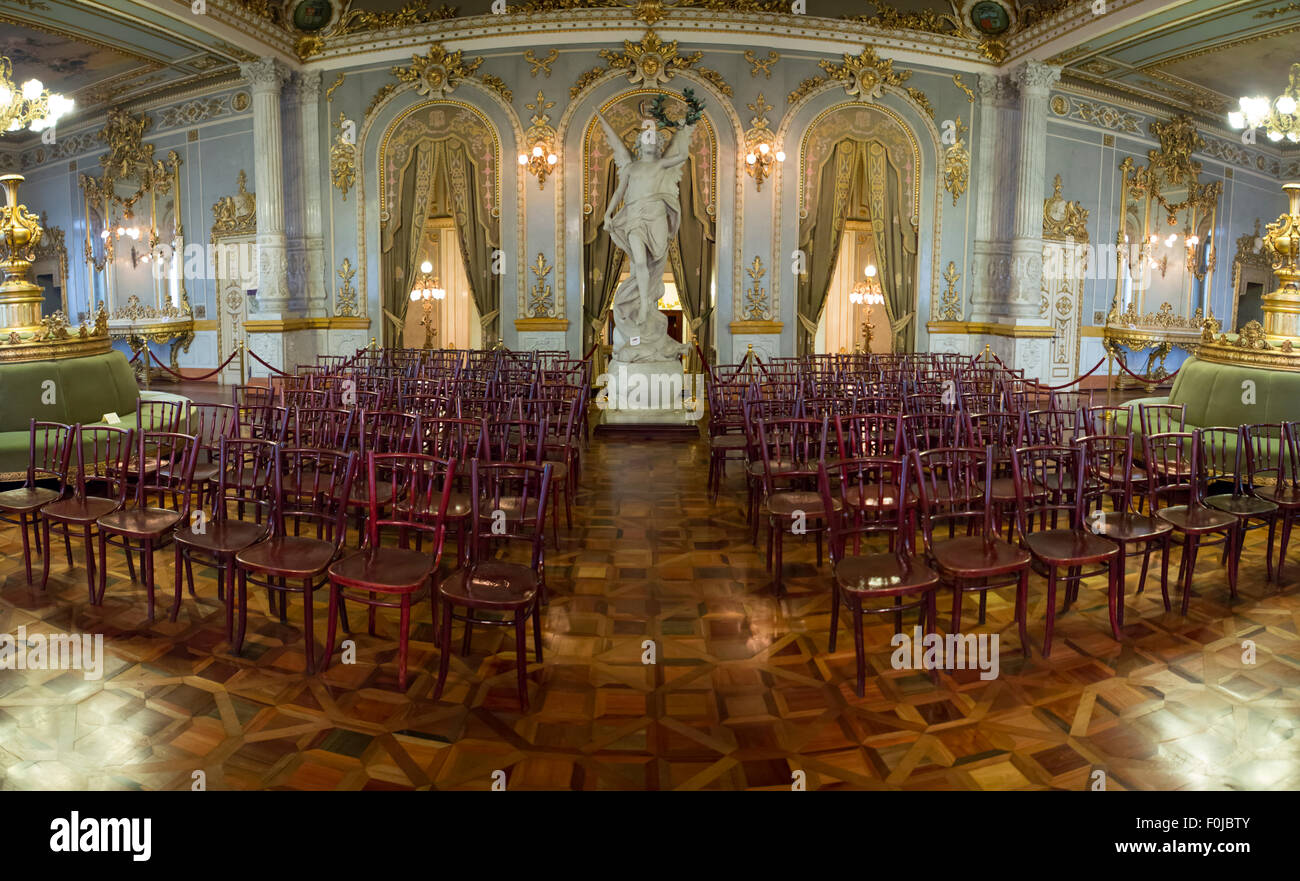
point(243, 372)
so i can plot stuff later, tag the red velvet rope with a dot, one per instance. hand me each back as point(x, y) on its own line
point(195, 378)
point(136, 357)
point(1145, 379)
point(1066, 384)
point(268, 366)
point(592, 351)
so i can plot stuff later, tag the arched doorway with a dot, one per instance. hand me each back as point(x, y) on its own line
point(440, 203)
point(858, 177)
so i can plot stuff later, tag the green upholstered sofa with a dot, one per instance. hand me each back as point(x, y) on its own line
point(84, 390)
point(1215, 394)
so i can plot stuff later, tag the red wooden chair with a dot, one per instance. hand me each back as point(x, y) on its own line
point(310, 488)
point(1046, 479)
point(401, 575)
point(49, 450)
point(512, 592)
point(103, 460)
point(165, 469)
point(954, 484)
point(858, 582)
point(244, 480)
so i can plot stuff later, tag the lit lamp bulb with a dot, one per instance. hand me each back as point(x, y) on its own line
point(1236, 119)
point(750, 158)
point(1285, 105)
point(537, 151)
point(551, 159)
point(764, 149)
point(32, 89)
point(523, 160)
point(780, 155)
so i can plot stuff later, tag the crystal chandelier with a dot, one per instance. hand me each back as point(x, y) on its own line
point(868, 291)
point(31, 105)
point(1278, 118)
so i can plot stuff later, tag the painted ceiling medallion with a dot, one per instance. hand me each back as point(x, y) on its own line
point(437, 73)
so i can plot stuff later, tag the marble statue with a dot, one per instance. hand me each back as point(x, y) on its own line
point(642, 228)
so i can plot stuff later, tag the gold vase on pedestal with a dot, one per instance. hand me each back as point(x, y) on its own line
point(1275, 344)
point(26, 335)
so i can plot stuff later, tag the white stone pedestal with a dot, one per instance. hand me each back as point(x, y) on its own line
point(649, 393)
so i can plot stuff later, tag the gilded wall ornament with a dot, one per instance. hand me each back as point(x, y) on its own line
point(888, 18)
point(993, 50)
point(384, 91)
point(438, 72)
point(809, 85)
point(970, 94)
point(413, 13)
point(343, 158)
point(761, 65)
point(921, 99)
point(865, 75)
point(950, 305)
point(541, 65)
point(329, 93)
point(541, 299)
point(756, 297)
point(238, 213)
point(653, 62)
point(345, 299)
point(956, 165)
point(1063, 219)
point(585, 79)
point(496, 84)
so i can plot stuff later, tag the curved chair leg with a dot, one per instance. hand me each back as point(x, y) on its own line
point(402, 645)
point(1193, 543)
point(96, 597)
point(1022, 609)
point(521, 659)
point(444, 655)
point(859, 650)
point(308, 625)
point(1051, 611)
point(179, 561)
point(1115, 591)
point(45, 558)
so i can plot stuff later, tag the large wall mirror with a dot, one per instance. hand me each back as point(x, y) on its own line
point(135, 246)
point(1252, 278)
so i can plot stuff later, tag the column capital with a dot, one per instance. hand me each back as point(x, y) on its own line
point(265, 74)
point(994, 90)
point(1036, 78)
point(308, 84)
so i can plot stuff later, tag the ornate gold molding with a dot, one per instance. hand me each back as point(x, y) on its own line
point(950, 306)
point(438, 72)
point(970, 94)
point(1018, 331)
point(756, 305)
point(343, 157)
point(286, 325)
point(653, 62)
point(329, 93)
point(541, 65)
point(1063, 219)
point(232, 215)
point(760, 65)
point(541, 299)
point(345, 298)
point(956, 164)
point(755, 327)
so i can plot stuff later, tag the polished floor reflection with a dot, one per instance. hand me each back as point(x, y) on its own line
point(742, 692)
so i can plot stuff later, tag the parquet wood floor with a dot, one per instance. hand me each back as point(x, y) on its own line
point(743, 692)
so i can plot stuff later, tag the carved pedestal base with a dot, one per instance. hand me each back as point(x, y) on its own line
point(649, 393)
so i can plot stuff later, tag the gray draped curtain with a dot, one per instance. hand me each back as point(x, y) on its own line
point(895, 244)
point(691, 257)
point(858, 180)
point(602, 263)
point(441, 179)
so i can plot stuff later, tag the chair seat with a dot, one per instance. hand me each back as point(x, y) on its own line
point(360, 493)
point(779, 467)
point(883, 575)
point(223, 536)
point(1132, 527)
point(1241, 506)
point(785, 504)
point(1283, 495)
point(142, 522)
point(1004, 489)
point(491, 585)
point(1196, 518)
point(972, 556)
point(1071, 546)
point(875, 496)
point(288, 555)
point(728, 441)
point(399, 570)
point(513, 506)
point(458, 506)
point(26, 498)
point(75, 510)
point(206, 472)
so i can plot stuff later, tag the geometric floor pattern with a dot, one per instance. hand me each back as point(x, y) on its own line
point(743, 695)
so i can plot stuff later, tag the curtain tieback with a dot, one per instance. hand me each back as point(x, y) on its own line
point(489, 318)
point(902, 322)
point(808, 325)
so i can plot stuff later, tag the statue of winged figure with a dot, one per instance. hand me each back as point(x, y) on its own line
point(642, 217)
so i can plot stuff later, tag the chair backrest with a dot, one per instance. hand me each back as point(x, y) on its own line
point(104, 454)
point(1039, 427)
point(165, 468)
point(423, 484)
point(1103, 419)
point(324, 429)
point(1223, 456)
point(387, 431)
point(526, 488)
point(1173, 462)
point(1162, 418)
point(1267, 452)
point(156, 415)
point(881, 485)
point(451, 437)
point(49, 450)
point(869, 434)
point(244, 475)
point(313, 486)
point(954, 486)
point(1047, 477)
point(1107, 465)
point(210, 423)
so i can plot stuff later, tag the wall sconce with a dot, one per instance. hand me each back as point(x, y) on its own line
point(542, 159)
point(426, 290)
point(761, 161)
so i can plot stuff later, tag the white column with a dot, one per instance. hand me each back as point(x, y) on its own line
point(993, 161)
point(1035, 80)
point(309, 92)
point(266, 77)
